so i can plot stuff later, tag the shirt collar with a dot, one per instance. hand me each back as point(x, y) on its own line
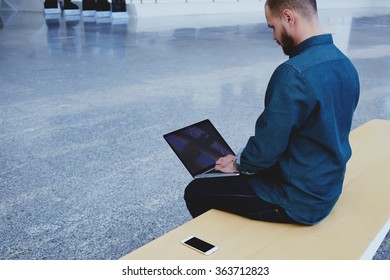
point(312, 41)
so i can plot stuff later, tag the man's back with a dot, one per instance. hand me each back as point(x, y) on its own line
point(332, 91)
point(304, 130)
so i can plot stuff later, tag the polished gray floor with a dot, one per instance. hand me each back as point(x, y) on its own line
point(84, 170)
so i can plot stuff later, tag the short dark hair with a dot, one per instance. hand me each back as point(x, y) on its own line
point(307, 8)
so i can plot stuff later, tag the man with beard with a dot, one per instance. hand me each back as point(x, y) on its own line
point(292, 169)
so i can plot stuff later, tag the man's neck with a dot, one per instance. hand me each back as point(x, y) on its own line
point(308, 30)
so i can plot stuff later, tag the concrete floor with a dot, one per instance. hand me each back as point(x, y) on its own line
point(84, 170)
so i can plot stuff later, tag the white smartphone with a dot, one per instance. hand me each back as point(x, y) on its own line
point(199, 245)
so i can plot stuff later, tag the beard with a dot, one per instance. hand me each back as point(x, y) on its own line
point(287, 43)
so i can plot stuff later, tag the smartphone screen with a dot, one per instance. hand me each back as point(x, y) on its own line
point(200, 245)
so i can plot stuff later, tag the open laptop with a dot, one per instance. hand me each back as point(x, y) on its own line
point(198, 146)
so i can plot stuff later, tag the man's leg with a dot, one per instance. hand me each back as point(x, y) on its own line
point(50, 4)
point(68, 5)
point(231, 194)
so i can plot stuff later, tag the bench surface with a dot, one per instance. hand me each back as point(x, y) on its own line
point(354, 230)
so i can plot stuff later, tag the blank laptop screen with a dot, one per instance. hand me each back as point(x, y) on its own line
point(198, 146)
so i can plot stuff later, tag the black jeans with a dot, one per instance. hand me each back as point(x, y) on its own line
point(234, 195)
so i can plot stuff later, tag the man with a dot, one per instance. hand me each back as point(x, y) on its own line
point(292, 169)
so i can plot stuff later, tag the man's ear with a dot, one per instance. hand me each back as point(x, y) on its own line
point(289, 16)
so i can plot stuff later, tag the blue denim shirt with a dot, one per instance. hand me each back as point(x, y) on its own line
point(302, 134)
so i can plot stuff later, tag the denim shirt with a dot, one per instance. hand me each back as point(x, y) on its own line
point(302, 134)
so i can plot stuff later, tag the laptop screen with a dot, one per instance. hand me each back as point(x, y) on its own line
point(198, 146)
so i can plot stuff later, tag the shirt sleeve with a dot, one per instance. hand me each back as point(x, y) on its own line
point(286, 108)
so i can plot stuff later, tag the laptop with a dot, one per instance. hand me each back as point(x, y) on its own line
point(198, 146)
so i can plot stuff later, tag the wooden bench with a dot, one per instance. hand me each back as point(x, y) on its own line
point(354, 230)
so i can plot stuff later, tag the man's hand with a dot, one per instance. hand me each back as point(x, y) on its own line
point(226, 164)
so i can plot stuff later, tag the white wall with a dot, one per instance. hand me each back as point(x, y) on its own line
point(149, 8)
point(326, 4)
point(196, 7)
point(181, 7)
point(23, 5)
